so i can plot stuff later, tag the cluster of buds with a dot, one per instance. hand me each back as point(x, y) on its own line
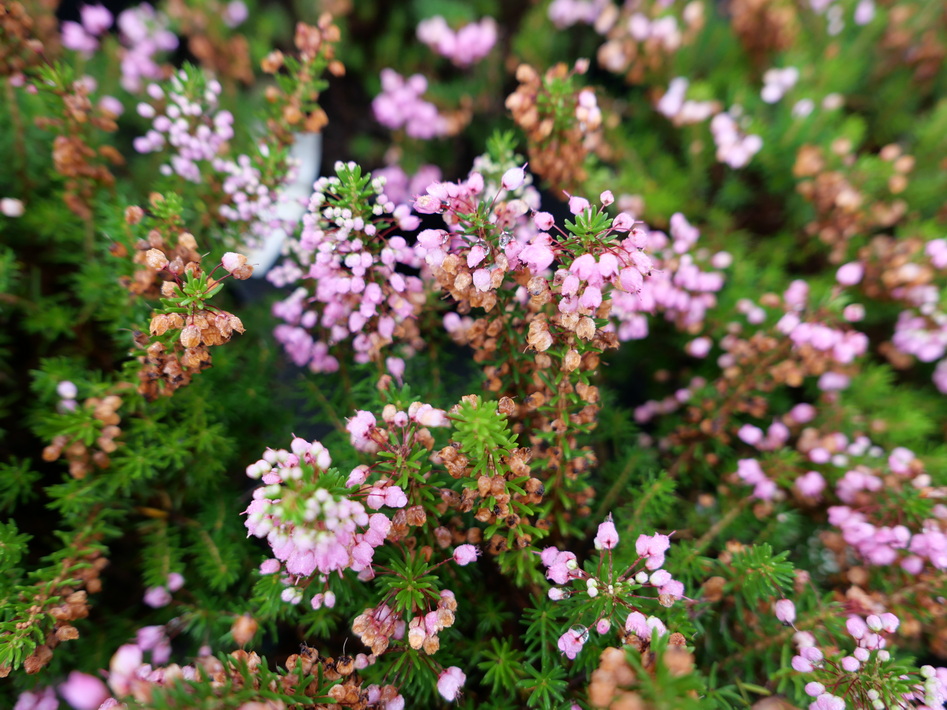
point(186, 327)
point(293, 97)
point(347, 259)
point(642, 39)
point(562, 124)
point(619, 586)
point(97, 421)
point(837, 187)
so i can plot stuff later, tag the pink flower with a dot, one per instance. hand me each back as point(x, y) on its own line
point(577, 205)
point(637, 624)
point(465, 554)
point(828, 702)
point(157, 597)
point(75, 37)
point(360, 427)
point(785, 611)
point(67, 390)
point(850, 274)
point(513, 178)
point(95, 18)
point(813, 689)
point(543, 221)
point(607, 536)
point(572, 641)
point(653, 548)
point(44, 699)
point(810, 484)
point(175, 581)
point(449, 683)
point(125, 662)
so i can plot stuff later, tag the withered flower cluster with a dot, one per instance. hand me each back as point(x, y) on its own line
point(843, 209)
point(55, 605)
point(178, 341)
point(297, 110)
point(562, 126)
point(80, 457)
point(223, 53)
point(75, 154)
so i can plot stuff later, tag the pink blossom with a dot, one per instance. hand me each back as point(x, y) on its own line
point(607, 536)
point(360, 427)
point(76, 38)
point(465, 554)
point(828, 702)
point(449, 683)
point(157, 597)
point(813, 689)
point(543, 221)
point(513, 178)
point(42, 699)
point(96, 19)
point(572, 641)
point(810, 484)
point(578, 205)
point(785, 611)
point(850, 274)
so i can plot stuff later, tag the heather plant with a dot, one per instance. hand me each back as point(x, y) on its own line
point(602, 364)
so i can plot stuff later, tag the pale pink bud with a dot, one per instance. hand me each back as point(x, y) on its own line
point(84, 691)
point(785, 611)
point(449, 683)
point(543, 220)
point(850, 274)
point(465, 554)
point(513, 178)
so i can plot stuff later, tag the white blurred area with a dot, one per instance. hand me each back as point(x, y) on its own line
point(307, 153)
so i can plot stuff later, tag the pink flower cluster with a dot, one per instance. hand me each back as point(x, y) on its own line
point(157, 597)
point(308, 527)
point(399, 105)
point(734, 147)
point(861, 667)
point(145, 33)
point(751, 473)
point(565, 13)
point(681, 110)
point(82, 36)
point(562, 568)
point(350, 259)
point(776, 82)
point(678, 285)
point(466, 46)
point(188, 125)
point(367, 436)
